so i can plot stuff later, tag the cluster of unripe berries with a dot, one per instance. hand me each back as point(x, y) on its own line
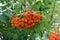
point(54, 36)
point(28, 21)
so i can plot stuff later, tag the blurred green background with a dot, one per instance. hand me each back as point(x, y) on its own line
point(49, 9)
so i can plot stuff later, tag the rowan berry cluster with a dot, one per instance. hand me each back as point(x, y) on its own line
point(29, 20)
point(54, 36)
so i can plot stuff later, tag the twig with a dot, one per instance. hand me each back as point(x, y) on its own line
point(24, 5)
point(51, 18)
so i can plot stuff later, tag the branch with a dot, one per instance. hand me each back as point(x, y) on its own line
point(51, 18)
point(24, 5)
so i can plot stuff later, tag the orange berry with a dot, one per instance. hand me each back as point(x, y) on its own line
point(29, 22)
point(14, 16)
point(32, 25)
point(26, 26)
point(34, 17)
point(12, 24)
point(40, 17)
point(23, 19)
point(24, 14)
point(36, 20)
point(29, 12)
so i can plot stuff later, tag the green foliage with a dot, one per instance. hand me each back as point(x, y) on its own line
point(2, 19)
point(44, 7)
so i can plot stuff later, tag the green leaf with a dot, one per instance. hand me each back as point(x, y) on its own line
point(9, 15)
point(17, 9)
point(2, 19)
point(36, 5)
point(21, 1)
point(29, 1)
point(15, 36)
point(33, 37)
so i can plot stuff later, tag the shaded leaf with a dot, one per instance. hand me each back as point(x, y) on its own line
point(2, 19)
point(9, 15)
